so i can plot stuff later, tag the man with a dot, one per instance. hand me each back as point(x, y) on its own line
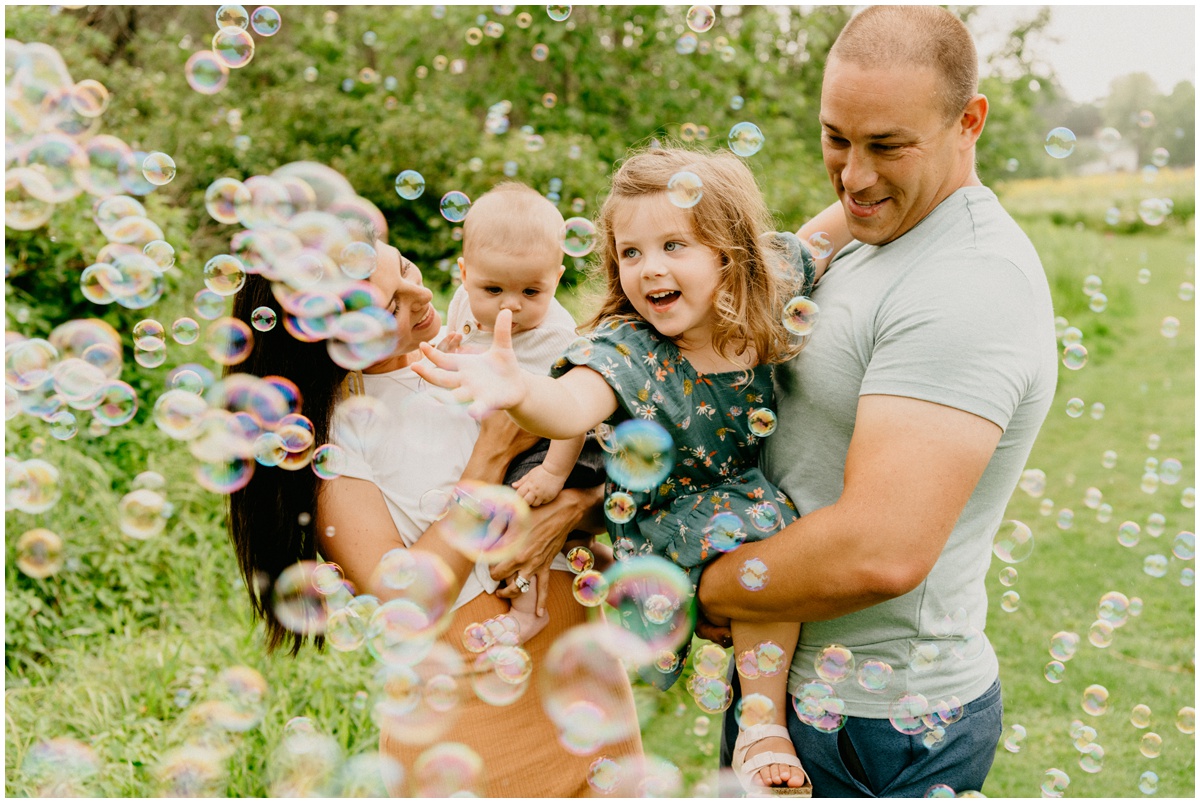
point(905, 423)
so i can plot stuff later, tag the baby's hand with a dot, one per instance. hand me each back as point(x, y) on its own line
point(539, 486)
point(489, 381)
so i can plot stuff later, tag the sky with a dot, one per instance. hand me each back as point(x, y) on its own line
point(1099, 43)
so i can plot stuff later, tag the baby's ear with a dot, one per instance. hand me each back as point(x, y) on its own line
point(561, 270)
point(462, 270)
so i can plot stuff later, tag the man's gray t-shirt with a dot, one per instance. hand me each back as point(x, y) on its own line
point(956, 312)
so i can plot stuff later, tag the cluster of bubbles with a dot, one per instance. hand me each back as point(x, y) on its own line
point(207, 71)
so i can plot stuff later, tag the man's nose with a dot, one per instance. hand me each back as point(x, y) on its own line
point(858, 173)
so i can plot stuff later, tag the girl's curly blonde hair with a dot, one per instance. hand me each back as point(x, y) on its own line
point(732, 219)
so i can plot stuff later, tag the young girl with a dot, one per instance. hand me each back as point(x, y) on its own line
point(691, 321)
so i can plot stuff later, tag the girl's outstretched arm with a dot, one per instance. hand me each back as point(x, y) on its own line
point(552, 408)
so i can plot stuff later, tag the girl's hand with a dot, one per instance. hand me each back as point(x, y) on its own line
point(489, 381)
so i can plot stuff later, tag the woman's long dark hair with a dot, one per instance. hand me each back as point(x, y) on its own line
point(264, 516)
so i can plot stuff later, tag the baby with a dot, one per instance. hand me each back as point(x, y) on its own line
point(512, 260)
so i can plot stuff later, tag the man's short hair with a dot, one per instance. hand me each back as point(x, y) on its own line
point(925, 36)
point(512, 218)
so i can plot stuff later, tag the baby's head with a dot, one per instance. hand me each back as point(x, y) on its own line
point(730, 217)
point(512, 255)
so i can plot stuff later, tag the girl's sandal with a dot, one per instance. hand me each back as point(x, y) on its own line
point(746, 770)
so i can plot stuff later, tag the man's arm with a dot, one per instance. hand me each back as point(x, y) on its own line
point(911, 467)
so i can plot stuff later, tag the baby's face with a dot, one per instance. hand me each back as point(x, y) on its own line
point(522, 283)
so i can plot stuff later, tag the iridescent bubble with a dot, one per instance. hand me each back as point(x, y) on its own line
point(233, 47)
point(1151, 745)
point(142, 514)
point(762, 421)
point(1072, 335)
point(410, 185)
point(1010, 601)
point(60, 767)
point(1129, 534)
point(642, 457)
point(1155, 565)
point(158, 168)
point(185, 331)
point(834, 663)
point(753, 575)
point(263, 319)
point(1155, 525)
point(701, 18)
point(224, 274)
point(709, 661)
point(1187, 291)
point(1170, 471)
point(745, 139)
point(874, 675)
point(1091, 759)
point(589, 588)
point(1054, 783)
point(1100, 634)
point(817, 705)
point(737, 102)
point(1092, 498)
point(1066, 519)
point(1140, 716)
point(1143, 276)
point(1112, 216)
point(1098, 302)
point(907, 713)
point(178, 413)
point(1075, 356)
point(1014, 738)
point(1013, 542)
point(1109, 139)
point(1060, 142)
point(265, 21)
point(1108, 459)
point(1098, 409)
point(724, 532)
point(754, 709)
point(604, 775)
point(765, 516)
point(118, 403)
point(161, 252)
point(358, 260)
point(29, 363)
point(1153, 211)
point(1185, 720)
point(223, 198)
point(578, 237)
point(1075, 407)
point(580, 559)
point(686, 44)
point(800, 315)
point(329, 461)
point(454, 206)
point(1054, 671)
point(1063, 645)
point(1095, 700)
point(39, 553)
point(1148, 783)
point(232, 15)
point(1113, 608)
point(206, 73)
point(1184, 547)
point(1170, 327)
point(821, 245)
point(685, 189)
point(654, 598)
point(228, 341)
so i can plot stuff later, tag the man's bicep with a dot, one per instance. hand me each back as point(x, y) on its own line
point(911, 467)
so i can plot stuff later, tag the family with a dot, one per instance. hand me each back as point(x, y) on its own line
point(875, 457)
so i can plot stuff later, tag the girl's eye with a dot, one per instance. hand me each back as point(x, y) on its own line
point(672, 246)
point(629, 253)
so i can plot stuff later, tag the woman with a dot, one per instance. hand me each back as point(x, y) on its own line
point(372, 509)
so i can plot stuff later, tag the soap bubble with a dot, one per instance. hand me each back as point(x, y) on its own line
point(1033, 482)
point(1151, 745)
point(1185, 720)
point(206, 73)
point(558, 13)
point(834, 663)
point(142, 514)
point(906, 713)
point(654, 600)
point(1054, 671)
point(1010, 601)
point(454, 206)
point(821, 244)
point(800, 315)
point(410, 185)
point(1170, 327)
point(40, 553)
point(1074, 407)
point(1184, 547)
point(642, 457)
point(1153, 211)
point(1100, 634)
point(1095, 700)
point(817, 705)
point(1155, 565)
point(1014, 738)
point(745, 139)
point(875, 676)
point(1148, 783)
point(1013, 542)
point(589, 588)
point(1060, 142)
point(233, 47)
point(1075, 356)
point(620, 507)
point(685, 189)
point(724, 532)
point(1063, 645)
point(1109, 139)
point(1054, 783)
point(701, 18)
point(578, 237)
point(1140, 716)
point(158, 168)
point(224, 274)
point(753, 575)
point(265, 21)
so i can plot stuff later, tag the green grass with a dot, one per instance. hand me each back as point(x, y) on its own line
point(100, 651)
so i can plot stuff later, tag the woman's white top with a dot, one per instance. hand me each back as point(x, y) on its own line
point(412, 441)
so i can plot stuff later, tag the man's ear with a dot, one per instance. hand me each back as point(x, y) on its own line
point(973, 118)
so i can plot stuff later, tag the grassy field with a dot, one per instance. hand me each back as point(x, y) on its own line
point(117, 649)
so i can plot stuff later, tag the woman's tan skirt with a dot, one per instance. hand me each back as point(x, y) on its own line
point(518, 743)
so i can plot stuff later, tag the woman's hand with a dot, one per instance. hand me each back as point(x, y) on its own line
point(552, 523)
point(489, 381)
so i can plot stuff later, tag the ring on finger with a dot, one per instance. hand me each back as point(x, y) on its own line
point(522, 584)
